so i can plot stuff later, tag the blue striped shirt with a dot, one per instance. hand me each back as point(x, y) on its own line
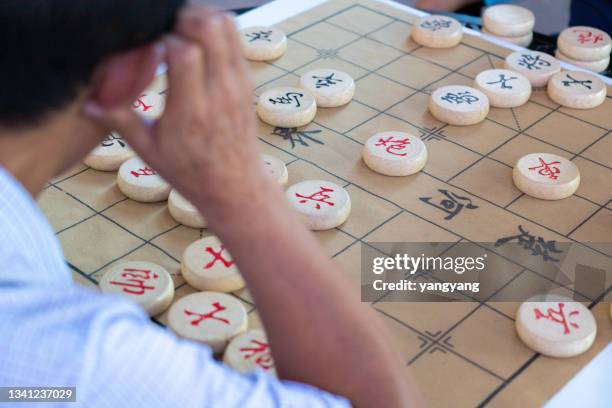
point(54, 333)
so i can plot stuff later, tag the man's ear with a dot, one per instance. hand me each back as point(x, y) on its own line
point(122, 77)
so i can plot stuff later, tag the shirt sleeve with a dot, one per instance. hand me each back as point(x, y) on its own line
point(29, 251)
point(136, 363)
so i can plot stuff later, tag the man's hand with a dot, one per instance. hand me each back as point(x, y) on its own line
point(205, 143)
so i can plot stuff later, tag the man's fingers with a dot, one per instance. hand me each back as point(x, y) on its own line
point(207, 28)
point(127, 123)
point(215, 31)
point(216, 45)
point(185, 60)
point(217, 34)
point(192, 23)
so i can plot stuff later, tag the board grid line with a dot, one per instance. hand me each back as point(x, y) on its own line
point(436, 340)
point(482, 198)
point(504, 144)
point(455, 71)
point(423, 90)
point(439, 225)
point(591, 216)
point(107, 218)
point(362, 241)
point(491, 396)
point(420, 90)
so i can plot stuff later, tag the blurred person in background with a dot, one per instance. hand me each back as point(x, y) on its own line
point(552, 16)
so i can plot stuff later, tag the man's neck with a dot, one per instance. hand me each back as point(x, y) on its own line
point(36, 155)
point(29, 157)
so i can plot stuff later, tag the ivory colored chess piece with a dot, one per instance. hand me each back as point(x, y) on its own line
point(330, 87)
point(395, 153)
point(207, 265)
point(276, 168)
point(508, 20)
point(536, 66)
point(321, 204)
point(577, 90)
point(209, 317)
point(504, 88)
point(248, 352)
point(184, 212)
point(138, 181)
point(437, 31)
point(110, 154)
point(459, 105)
point(263, 43)
point(556, 326)
point(522, 40)
point(287, 107)
point(146, 283)
point(595, 66)
point(584, 43)
point(546, 176)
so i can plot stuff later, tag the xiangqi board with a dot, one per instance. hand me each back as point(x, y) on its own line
point(468, 350)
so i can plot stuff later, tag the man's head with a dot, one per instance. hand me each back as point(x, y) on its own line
point(53, 49)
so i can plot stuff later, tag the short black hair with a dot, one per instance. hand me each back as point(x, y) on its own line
point(50, 48)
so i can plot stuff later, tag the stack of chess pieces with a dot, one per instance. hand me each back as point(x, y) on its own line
point(509, 23)
point(581, 46)
point(584, 47)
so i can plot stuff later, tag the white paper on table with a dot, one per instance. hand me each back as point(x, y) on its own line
point(591, 387)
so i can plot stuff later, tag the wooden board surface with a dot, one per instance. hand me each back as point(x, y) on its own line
point(463, 354)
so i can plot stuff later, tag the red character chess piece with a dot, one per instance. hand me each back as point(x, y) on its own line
point(134, 282)
point(547, 169)
point(394, 145)
point(558, 316)
point(261, 352)
point(206, 316)
point(217, 256)
point(146, 171)
point(140, 104)
point(587, 36)
point(319, 197)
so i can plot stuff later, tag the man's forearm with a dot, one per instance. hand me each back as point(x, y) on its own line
point(318, 330)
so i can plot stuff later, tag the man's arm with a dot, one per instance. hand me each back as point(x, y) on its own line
point(318, 330)
point(205, 145)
